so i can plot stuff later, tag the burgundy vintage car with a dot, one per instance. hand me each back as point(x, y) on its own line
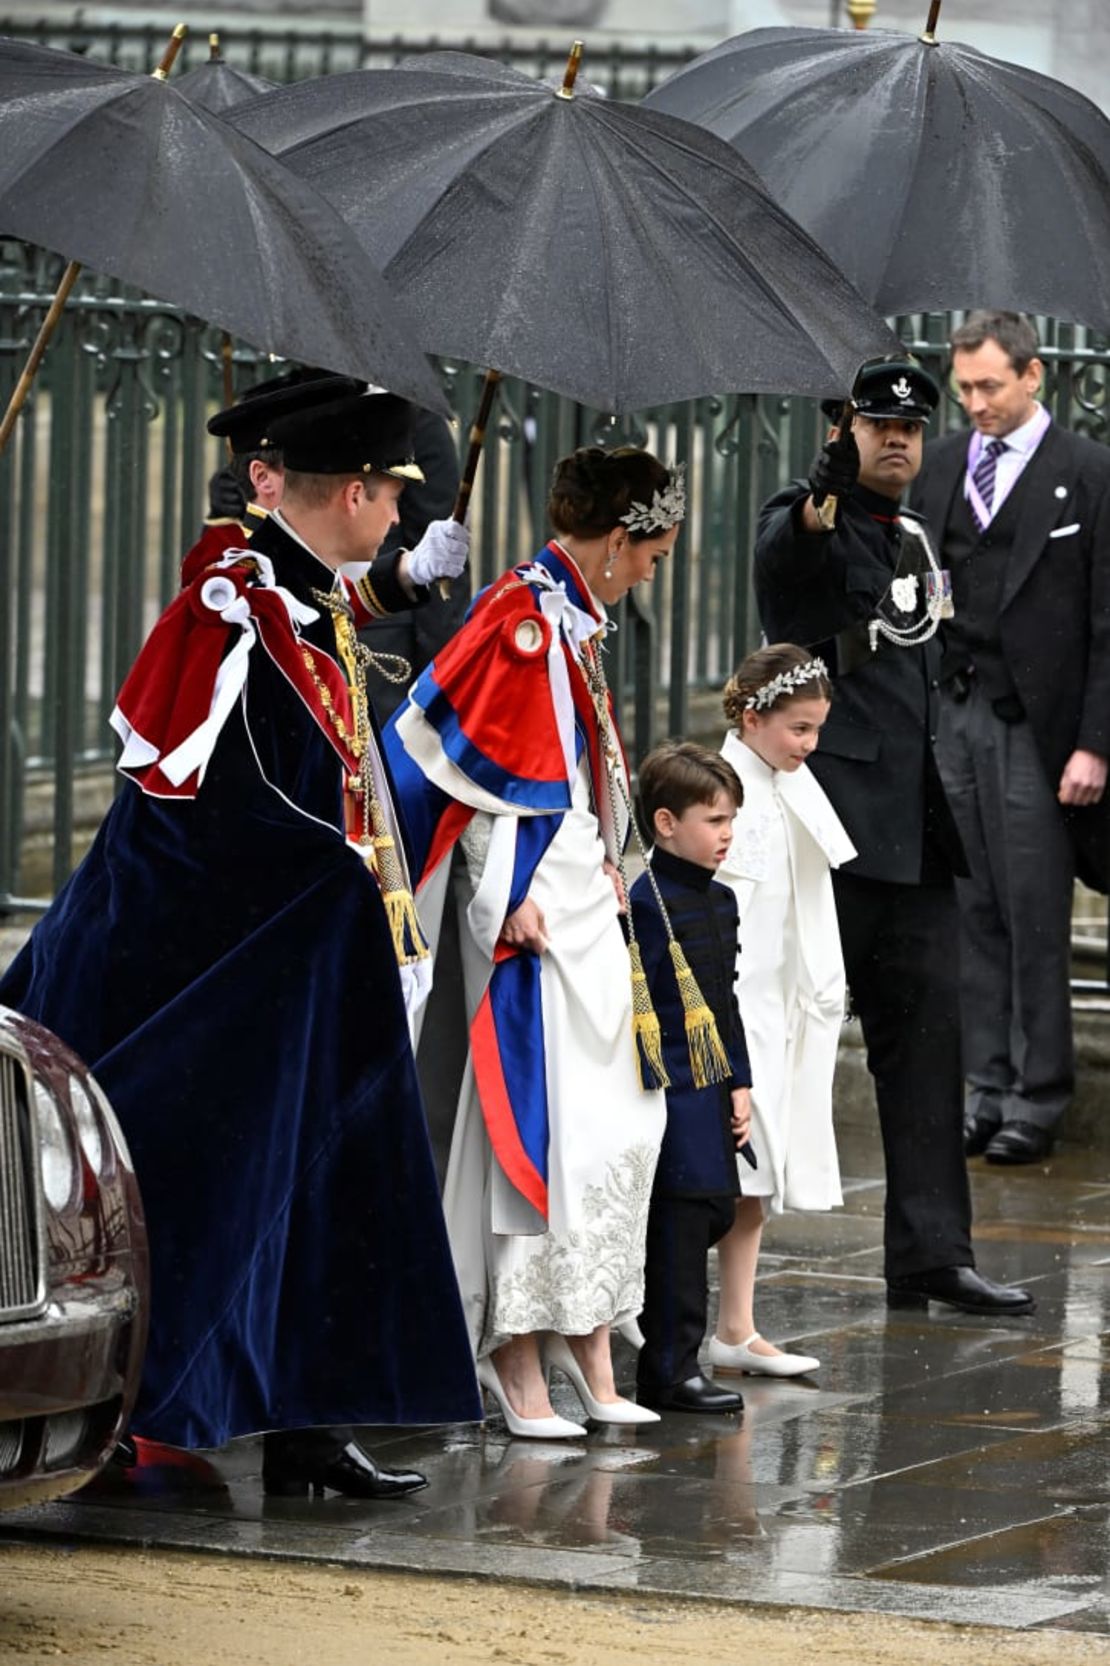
point(73, 1269)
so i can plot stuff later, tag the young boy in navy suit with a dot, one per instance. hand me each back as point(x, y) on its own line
point(688, 797)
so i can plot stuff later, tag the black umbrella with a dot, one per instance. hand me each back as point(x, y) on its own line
point(602, 251)
point(218, 85)
point(121, 172)
point(935, 176)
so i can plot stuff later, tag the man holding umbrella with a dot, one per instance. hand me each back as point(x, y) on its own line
point(1022, 509)
point(840, 569)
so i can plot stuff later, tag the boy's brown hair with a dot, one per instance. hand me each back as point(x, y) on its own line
point(680, 773)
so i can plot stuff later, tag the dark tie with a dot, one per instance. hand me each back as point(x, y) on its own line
point(986, 469)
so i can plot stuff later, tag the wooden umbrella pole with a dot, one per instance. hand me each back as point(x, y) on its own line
point(69, 278)
point(228, 368)
point(35, 356)
point(826, 514)
point(930, 35)
point(473, 456)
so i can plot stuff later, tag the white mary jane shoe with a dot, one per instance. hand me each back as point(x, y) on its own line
point(558, 1355)
point(526, 1428)
point(738, 1356)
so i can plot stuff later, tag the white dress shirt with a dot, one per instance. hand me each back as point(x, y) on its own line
point(1019, 445)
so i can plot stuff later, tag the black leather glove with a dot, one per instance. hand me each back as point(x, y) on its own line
point(225, 497)
point(835, 469)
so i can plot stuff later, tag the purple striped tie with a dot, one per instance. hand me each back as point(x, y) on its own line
point(986, 469)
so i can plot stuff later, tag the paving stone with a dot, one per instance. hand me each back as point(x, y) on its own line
point(938, 1465)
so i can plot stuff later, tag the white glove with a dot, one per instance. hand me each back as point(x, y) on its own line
point(441, 553)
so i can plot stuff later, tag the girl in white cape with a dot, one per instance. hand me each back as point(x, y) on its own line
point(790, 979)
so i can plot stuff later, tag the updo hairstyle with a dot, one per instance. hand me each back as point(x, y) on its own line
point(592, 489)
point(759, 668)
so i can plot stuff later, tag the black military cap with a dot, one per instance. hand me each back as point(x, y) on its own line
point(891, 388)
point(246, 423)
point(364, 433)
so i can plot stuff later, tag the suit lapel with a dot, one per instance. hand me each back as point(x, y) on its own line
point(1047, 470)
point(945, 466)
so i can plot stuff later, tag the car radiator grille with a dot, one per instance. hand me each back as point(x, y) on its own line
point(19, 1262)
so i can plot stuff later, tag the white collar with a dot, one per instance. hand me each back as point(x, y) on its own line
point(1025, 439)
point(746, 760)
point(332, 572)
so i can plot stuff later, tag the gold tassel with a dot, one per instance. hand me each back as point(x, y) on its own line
point(708, 1060)
point(408, 939)
point(646, 1033)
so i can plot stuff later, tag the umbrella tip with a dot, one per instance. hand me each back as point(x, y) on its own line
point(171, 52)
point(929, 38)
point(213, 47)
point(573, 61)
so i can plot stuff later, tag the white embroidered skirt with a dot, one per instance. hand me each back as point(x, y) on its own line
point(605, 1134)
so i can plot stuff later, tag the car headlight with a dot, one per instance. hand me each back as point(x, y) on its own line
point(57, 1163)
point(88, 1129)
point(110, 1120)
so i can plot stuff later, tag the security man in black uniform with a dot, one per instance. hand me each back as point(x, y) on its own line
point(840, 569)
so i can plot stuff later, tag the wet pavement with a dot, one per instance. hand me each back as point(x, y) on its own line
point(938, 1466)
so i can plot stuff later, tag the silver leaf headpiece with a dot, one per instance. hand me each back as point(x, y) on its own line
point(666, 508)
point(787, 682)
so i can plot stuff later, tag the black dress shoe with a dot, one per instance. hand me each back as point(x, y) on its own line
point(352, 1471)
point(959, 1287)
point(695, 1394)
point(1019, 1142)
point(978, 1133)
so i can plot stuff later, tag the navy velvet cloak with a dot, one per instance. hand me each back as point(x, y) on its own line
point(225, 966)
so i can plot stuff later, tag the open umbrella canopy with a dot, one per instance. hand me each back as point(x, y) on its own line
point(935, 176)
point(123, 173)
point(602, 251)
point(218, 85)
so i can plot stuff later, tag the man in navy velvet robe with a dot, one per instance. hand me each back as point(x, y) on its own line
point(224, 960)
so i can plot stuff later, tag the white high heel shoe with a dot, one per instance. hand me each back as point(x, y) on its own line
point(738, 1356)
point(631, 1332)
point(527, 1428)
point(558, 1354)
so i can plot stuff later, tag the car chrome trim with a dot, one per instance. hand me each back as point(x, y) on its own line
point(22, 1247)
point(70, 1318)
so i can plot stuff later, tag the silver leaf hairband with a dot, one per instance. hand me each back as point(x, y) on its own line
point(666, 508)
point(786, 683)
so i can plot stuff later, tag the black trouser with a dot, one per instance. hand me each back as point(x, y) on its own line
point(1015, 916)
point(680, 1234)
point(901, 953)
point(302, 1449)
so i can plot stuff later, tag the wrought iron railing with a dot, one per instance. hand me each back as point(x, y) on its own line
point(291, 54)
point(104, 488)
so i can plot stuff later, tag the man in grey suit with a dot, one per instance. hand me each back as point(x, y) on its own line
point(1021, 509)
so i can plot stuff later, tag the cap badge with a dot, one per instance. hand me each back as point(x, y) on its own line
point(903, 593)
point(901, 389)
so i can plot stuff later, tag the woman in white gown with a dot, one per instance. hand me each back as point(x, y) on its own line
point(790, 981)
point(555, 1139)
